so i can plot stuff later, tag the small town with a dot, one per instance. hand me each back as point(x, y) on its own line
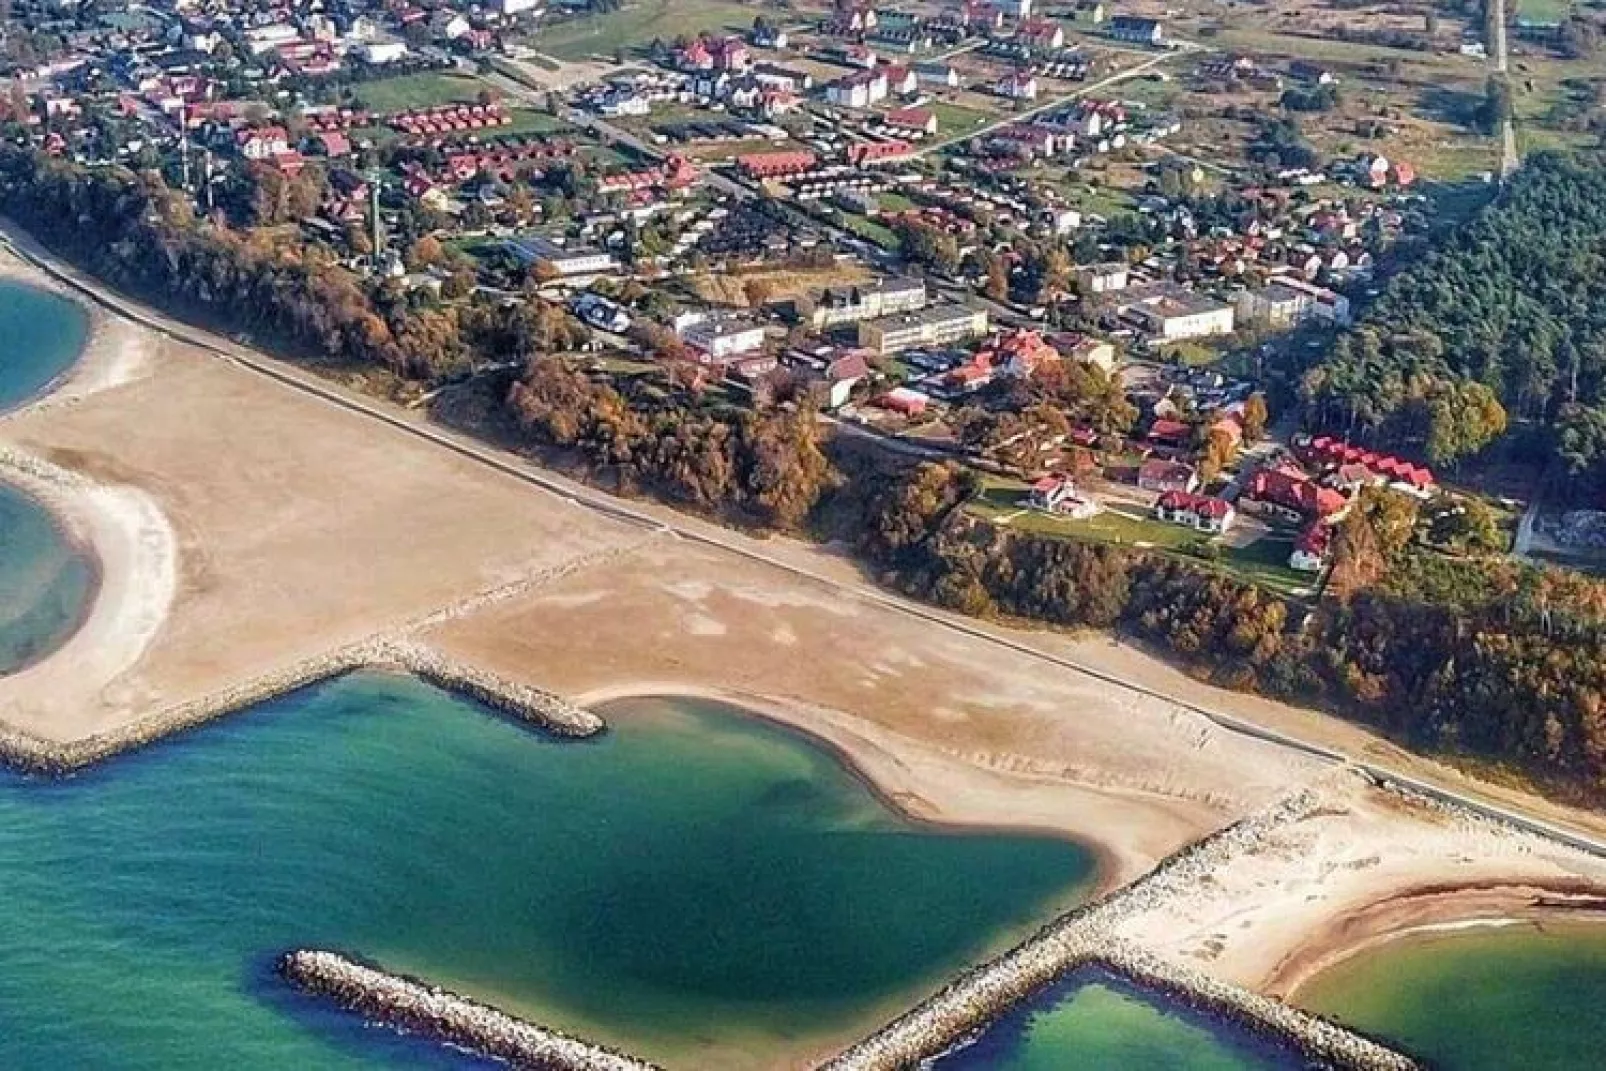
point(856, 534)
point(983, 231)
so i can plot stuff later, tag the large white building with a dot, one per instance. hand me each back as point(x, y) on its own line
point(939, 325)
point(1171, 314)
point(1287, 301)
point(722, 338)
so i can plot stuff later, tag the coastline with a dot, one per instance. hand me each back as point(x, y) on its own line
point(114, 351)
point(133, 551)
point(972, 800)
point(1432, 912)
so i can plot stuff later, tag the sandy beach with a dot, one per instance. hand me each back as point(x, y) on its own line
point(135, 555)
point(117, 351)
point(246, 526)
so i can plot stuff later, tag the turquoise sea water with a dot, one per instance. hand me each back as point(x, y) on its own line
point(45, 583)
point(1479, 1000)
point(41, 335)
point(697, 886)
point(1096, 1022)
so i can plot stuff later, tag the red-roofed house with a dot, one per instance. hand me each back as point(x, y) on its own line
point(1170, 433)
point(875, 152)
point(1164, 476)
point(1200, 512)
point(913, 119)
point(1058, 494)
point(765, 165)
point(1311, 548)
point(1289, 493)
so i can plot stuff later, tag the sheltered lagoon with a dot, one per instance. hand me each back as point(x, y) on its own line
point(695, 886)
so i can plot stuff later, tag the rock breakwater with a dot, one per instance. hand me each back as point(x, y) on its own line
point(412, 1006)
point(1083, 939)
point(545, 711)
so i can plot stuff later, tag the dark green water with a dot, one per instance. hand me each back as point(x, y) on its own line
point(1096, 1022)
point(697, 886)
point(41, 335)
point(1479, 1000)
point(45, 582)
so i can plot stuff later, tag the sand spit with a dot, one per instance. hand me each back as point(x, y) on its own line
point(1086, 938)
point(136, 558)
point(415, 1007)
point(543, 710)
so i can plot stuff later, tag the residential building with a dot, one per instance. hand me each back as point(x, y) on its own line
point(1137, 31)
point(1167, 476)
point(1104, 278)
point(1086, 349)
point(919, 119)
point(834, 307)
point(1169, 313)
point(1286, 302)
point(1016, 9)
point(768, 165)
point(1202, 513)
point(938, 325)
point(1058, 494)
point(1327, 452)
point(1288, 493)
point(937, 74)
point(379, 53)
point(1017, 85)
point(722, 338)
point(1041, 34)
point(1311, 548)
point(858, 90)
point(546, 254)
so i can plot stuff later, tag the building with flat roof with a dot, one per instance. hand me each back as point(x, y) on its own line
point(1287, 301)
point(1170, 313)
point(533, 249)
point(851, 305)
point(723, 337)
point(938, 325)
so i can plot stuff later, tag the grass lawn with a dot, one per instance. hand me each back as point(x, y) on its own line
point(418, 91)
point(870, 230)
point(1544, 10)
point(956, 120)
point(638, 23)
point(530, 121)
point(1264, 562)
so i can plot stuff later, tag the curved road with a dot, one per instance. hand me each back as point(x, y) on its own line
point(734, 543)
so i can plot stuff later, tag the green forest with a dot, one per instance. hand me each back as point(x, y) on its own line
point(1502, 322)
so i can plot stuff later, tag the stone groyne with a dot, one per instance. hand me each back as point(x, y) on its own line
point(408, 1005)
point(543, 710)
point(1083, 939)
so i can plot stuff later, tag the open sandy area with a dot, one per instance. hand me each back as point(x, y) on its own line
point(1360, 866)
point(245, 526)
point(299, 528)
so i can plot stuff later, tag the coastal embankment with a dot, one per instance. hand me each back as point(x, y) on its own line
point(1085, 939)
point(405, 1004)
point(542, 710)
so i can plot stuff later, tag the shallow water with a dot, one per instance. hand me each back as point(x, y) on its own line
point(45, 581)
point(41, 335)
point(696, 886)
point(1094, 1021)
point(1479, 1000)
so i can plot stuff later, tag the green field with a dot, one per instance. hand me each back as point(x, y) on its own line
point(1264, 562)
point(637, 24)
point(956, 120)
point(418, 91)
point(870, 230)
point(1544, 10)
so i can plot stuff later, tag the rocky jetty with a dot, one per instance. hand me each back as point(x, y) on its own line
point(411, 1006)
point(1083, 939)
point(543, 710)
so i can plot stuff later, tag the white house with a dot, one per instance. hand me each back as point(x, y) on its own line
point(722, 338)
point(380, 53)
point(1058, 494)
